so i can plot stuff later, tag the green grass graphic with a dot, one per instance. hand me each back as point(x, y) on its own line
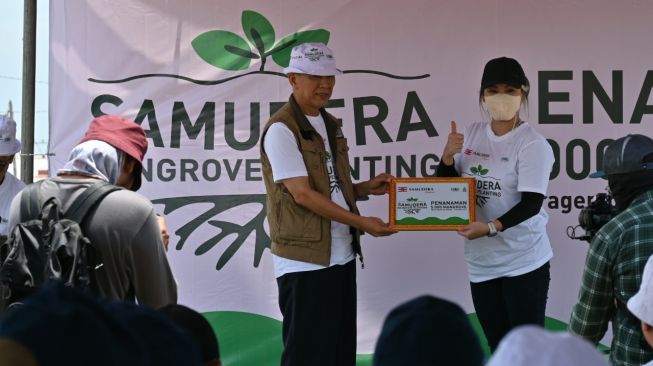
point(249, 339)
point(433, 221)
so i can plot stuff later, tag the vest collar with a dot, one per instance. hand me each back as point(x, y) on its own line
point(305, 127)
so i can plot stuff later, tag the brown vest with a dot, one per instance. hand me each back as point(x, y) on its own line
point(296, 232)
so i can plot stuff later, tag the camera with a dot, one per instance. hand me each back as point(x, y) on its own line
point(593, 217)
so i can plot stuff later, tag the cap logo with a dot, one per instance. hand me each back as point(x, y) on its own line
point(314, 55)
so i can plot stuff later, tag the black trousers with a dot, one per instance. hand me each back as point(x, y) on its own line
point(319, 316)
point(504, 303)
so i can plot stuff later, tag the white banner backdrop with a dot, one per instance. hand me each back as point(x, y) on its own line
point(202, 77)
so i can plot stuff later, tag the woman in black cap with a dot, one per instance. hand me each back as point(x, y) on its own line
point(507, 249)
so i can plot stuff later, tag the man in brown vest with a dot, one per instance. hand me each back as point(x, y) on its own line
point(314, 222)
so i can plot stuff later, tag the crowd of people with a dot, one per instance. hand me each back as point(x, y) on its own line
point(315, 227)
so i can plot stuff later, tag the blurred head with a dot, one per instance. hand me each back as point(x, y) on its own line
point(311, 73)
point(97, 331)
point(9, 144)
point(113, 150)
point(199, 329)
point(530, 345)
point(427, 331)
point(504, 88)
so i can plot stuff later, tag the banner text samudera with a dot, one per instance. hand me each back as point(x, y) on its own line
point(592, 89)
point(205, 124)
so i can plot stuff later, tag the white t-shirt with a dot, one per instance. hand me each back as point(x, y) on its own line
point(286, 160)
point(8, 189)
point(504, 166)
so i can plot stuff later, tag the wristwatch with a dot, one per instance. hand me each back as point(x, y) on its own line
point(493, 229)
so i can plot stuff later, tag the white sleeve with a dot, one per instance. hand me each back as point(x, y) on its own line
point(535, 164)
point(281, 147)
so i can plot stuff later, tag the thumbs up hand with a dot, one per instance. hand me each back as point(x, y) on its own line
point(454, 145)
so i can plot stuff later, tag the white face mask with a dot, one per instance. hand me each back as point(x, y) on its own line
point(502, 107)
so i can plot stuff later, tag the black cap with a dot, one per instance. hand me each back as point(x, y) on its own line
point(626, 155)
point(428, 331)
point(503, 70)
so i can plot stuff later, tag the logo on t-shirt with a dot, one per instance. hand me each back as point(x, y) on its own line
point(334, 182)
point(486, 186)
point(478, 170)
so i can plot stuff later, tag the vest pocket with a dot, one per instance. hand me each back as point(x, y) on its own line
point(312, 156)
point(298, 225)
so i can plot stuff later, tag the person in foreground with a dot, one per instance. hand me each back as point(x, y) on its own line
point(123, 227)
point(530, 345)
point(61, 325)
point(618, 253)
point(507, 249)
point(9, 185)
point(198, 328)
point(314, 222)
point(427, 331)
point(641, 304)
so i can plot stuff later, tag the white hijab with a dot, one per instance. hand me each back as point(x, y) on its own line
point(94, 158)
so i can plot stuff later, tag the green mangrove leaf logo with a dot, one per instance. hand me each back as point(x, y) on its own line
point(229, 51)
point(479, 170)
point(411, 199)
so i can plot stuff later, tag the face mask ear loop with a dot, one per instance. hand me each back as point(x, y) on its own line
point(517, 117)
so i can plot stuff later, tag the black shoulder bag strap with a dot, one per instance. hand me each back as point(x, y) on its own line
point(77, 212)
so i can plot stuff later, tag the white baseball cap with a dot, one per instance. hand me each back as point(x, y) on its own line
point(530, 345)
point(9, 144)
point(312, 59)
point(641, 304)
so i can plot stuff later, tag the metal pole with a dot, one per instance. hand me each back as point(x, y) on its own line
point(29, 85)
